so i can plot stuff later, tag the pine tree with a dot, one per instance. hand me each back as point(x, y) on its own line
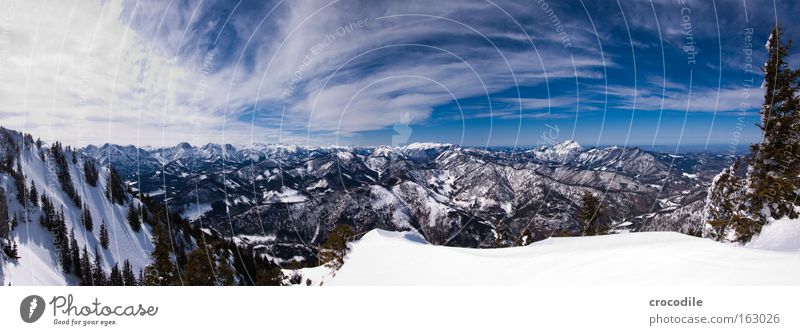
point(14, 222)
point(128, 277)
point(103, 235)
point(589, 214)
point(115, 279)
point(14, 252)
point(86, 269)
point(90, 172)
point(271, 276)
point(11, 250)
point(61, 241)
point(75, 252)
point(723, 210)
point(199, 270)
point(115, 187)
point(98, 275)
point(526, 238)
point(33, 195)
point(86, 217)
point(334, 248)
point(774, 176)
point(19, 181)
point(133, 218)
point(161, 271)
point(500, 234)
point(4, 222)
point(225, 273)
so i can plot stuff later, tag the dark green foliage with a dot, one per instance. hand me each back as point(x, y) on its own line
point(525, 238)
point(161, 271)
point(500, 234)
point(133, 218)
point(589, 215)
point(725, 206)
point(199, 269)
point(775, 162)
point(62, 171)
point(14, 222)
point(62, 243)
point(334, 248)
point(48, 212)
point(90, 172)
point(86, 269)
point(98, 275)
point(75, 254)
point(103, 236)
point(270, 276)
point(115, 187)
point(11, 250)
point(33, 195)
point(5, 224)
point(115, 278)
point(19, 182)
point(128, 277)
point(86, 217)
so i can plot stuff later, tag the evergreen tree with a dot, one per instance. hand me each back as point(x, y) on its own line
point(75, 254)
point(103, 235)
point(724, 210)
point(11, 250)
point(14, 222)
point(526, 238)
point(128, 276)
point(33, 195)
point(774, 176)
point(199, 270)
point(61, 241)
point(133, 218)
point(161, 271)
point(86, 269)
point(86, 217)
point(19, 181)
point(115, 279)
point(90, 172)
point(500, 234)
point(98, 275)
point(225, 273)
point(115, 187)
point(5, 224)
point(271, 276)
point(334, 248)
point(589, 215)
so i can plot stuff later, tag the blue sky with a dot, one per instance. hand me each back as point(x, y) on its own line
point(477, 73)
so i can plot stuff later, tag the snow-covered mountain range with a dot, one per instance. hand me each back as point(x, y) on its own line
point(286, 198)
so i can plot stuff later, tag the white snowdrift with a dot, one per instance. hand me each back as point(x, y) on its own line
point(653, 258)
point(778, 235)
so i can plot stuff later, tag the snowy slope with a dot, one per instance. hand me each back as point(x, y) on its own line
point(778, 235)
point(38, 263)
point(653, 258)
